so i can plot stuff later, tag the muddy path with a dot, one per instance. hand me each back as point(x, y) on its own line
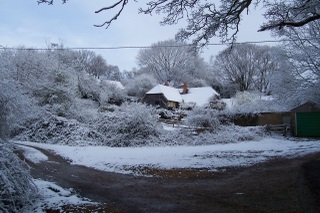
point(280, 185)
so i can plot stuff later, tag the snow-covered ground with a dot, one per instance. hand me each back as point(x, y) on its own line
point(129, 160)
point(212, 157)
point(54, 197)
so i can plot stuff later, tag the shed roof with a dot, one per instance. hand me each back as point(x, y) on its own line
point(309, 106)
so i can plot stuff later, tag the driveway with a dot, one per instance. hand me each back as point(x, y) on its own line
point(281, 185)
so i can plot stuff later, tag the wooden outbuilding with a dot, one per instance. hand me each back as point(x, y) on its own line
point(164, 96)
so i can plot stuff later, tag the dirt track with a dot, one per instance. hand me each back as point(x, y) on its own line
point(282, 185)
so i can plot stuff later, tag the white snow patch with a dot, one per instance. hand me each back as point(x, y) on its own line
point(33, 155)
point(209, 156)
point(54, 197)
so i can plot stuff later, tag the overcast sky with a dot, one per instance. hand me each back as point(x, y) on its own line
point(24, 22)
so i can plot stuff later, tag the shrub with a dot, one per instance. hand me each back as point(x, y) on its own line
point(17, 191)
point(203, 117)
point(110, 94)
point(59, 130)
point(129, 125)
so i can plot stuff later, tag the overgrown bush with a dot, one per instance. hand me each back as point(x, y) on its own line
point(100, 91)
point(129, 125)
point(88, 87)
point(17, 191)
point(203, 117)
point(59, 130)
point(110, 93)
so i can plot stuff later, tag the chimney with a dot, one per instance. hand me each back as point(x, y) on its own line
point(166, 83)
point(185, 88)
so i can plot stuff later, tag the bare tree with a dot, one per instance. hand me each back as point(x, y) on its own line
point(266, 65)
point(302, 46)
point(248, 66)
point(166, 60)
point(222, 18)
point(113, 73)
point(98, 66)
point(90, 62)
point(237, 65)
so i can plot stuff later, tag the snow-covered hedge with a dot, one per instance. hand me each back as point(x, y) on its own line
point(225, 134)
point(135, 124)
point(203, 117)
point(129, 125)
point(17, 191)
point(59, 130)
point(253, 102)
point(132, 124)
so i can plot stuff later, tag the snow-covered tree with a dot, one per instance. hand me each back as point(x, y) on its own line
point(17, 191)
point(15, 105)
point(113, 73)
point(248, 66)
point(93, 64)
point(139, 85)
point(166, 60)
point(303, 47)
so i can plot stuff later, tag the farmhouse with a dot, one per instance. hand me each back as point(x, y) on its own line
point(172, 98)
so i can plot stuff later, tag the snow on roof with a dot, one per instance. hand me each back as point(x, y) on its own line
point(172, 94)
point(200, 95)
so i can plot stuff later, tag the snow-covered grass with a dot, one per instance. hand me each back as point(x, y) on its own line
point(212, 157)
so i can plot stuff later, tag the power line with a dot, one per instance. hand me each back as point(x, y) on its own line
point(149, 47)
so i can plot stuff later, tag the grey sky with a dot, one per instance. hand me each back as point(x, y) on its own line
point(24, 22)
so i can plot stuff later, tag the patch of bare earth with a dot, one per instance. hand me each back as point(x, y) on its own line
point(279, 185)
